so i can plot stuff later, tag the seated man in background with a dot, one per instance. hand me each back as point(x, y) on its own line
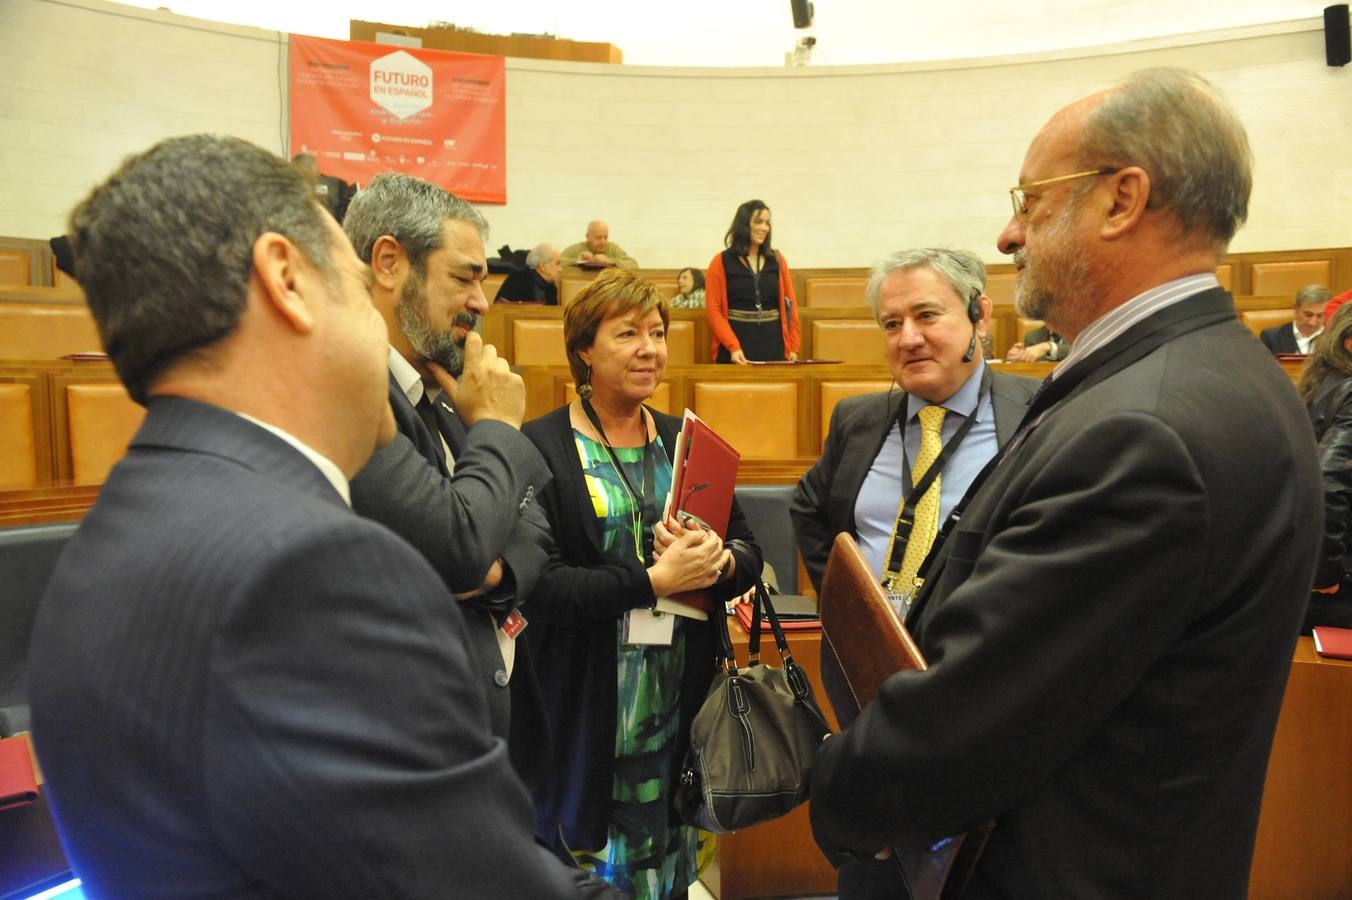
point(598, 250)
point(1307, 325)
point(931, 308)
point(240, 687)
point(1039, 345)
point(538, 282)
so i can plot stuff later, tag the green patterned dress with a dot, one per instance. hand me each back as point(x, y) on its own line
point(644, 855)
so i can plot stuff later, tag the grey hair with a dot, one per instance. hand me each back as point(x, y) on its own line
point(963, 270)
point(539, 256)
point(1179, 128)
point(410, 210)
point(1313, 293)
point(164, 248)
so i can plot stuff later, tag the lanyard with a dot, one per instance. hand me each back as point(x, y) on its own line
point(643, 515)
point(906, 518)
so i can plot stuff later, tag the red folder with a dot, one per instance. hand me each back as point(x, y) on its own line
point(18, 784)
point(743, 613)
point(703, 480)
point(1334, 642)
point(704, 475)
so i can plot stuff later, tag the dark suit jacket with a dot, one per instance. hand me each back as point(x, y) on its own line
point(526, 284)
point(1279, 339)
point(581, 594)
point(1109, 629)
point(240, 688)
point(461, 525)
point(823, 503)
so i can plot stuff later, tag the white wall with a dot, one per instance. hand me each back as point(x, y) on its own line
point(853, 161)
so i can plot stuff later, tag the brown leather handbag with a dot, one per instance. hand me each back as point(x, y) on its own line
point(753, 740)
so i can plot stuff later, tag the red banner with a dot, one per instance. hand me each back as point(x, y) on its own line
point(364, 108)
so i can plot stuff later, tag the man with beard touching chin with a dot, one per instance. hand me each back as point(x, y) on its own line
point(459, 481)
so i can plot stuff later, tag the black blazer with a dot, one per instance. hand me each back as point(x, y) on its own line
point(527, 285)
point(581, 594)
point(1109, 629)
point(462, 524)
point(1279, 339)
point(823, 503)
point(240, 688)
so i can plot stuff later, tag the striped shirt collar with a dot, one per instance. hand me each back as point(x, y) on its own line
point(1110, 326)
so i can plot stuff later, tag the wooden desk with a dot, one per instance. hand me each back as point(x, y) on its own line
point(1304, 845)
point(1304, 842)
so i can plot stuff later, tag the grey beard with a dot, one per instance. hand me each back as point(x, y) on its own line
point(440, 347)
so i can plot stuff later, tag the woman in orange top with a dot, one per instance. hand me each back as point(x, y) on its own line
point(748, 292)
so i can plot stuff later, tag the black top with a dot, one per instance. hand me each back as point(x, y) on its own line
point(745, 289)
point(753, 293)
point(527, 285)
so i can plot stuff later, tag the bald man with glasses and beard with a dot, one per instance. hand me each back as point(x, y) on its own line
point(1111, 620)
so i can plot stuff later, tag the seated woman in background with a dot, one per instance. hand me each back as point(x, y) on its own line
point(1326, 387)
point(752, 311)
point(621, 684)
point(689, 290)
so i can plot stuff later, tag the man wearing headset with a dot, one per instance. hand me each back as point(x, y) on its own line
point(878, 459)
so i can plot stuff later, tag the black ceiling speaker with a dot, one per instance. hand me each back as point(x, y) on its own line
point(1336, 48)
point(802, 14)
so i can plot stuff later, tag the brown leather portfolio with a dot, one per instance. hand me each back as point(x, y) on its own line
point(863, 641)
point(863, 644)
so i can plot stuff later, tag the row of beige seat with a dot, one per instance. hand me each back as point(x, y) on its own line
point(26, 261)
point(1277, 278)
point(62, 422)
point(534, 335)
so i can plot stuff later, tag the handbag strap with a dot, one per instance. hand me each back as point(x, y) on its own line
point(797, 678)
point(762, 602)
point(724, 660)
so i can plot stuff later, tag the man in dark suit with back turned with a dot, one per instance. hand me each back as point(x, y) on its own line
point(932, 309)
point(459, 480)
point(1110, 622)
point(240, 687)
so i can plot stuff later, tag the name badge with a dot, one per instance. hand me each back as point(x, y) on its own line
point(514, 624)
point(648, 626)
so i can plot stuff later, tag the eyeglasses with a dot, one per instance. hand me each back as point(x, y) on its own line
point(1019, 198)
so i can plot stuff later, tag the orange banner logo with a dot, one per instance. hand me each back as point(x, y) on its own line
point(364, 108)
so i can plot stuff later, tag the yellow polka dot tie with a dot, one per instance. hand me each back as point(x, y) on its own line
point(926, 524)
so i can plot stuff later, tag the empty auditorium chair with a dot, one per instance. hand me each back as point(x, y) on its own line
point(832, 392)
point(848, 340)
point(14, 267)
point(681, 342)
point(830, 290)
point(538, 342)
point(102, 420)
point(667, 287)
point(45, 331)
point(569, 288)
point(18, 449)
point(766, 507)
point(1000, 288)
point(760, 419)
point(1259, 320)
point(1281, 279)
